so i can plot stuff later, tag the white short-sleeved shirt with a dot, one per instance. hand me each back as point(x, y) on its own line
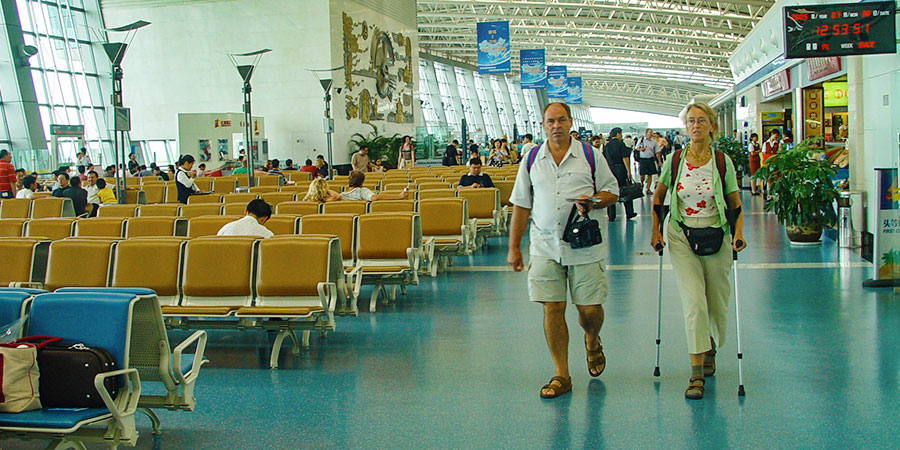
point(359, 193)
point(544, 191)
point(92, 194)
point(651, 148)
point(245, 226)
point(25, 193)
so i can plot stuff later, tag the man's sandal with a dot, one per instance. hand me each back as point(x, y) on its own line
point(709, 363)
point(565, 385)
point(596, 360)
point(695, 388)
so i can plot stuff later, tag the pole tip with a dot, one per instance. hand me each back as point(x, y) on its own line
point(741, 392)
point(656, 371)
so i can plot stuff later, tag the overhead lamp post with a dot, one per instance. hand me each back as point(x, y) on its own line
point(328, 122)
point(246, 63)
point(121, 115)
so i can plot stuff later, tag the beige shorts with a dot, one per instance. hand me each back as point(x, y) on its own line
point(548, 280)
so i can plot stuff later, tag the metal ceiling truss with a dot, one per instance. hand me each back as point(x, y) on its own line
point(667, 50)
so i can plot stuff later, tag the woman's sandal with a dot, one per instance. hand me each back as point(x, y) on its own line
point(596, 360)
point(694, 390)
point(565, 385)
point(709, 363)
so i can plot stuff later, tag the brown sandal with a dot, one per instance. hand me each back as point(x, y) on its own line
point(565, 385)
point(596, 360)
point(694, 390)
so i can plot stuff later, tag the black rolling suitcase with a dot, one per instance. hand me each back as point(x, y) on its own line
point(68, 371)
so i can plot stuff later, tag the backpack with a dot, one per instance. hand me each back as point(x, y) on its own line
point(588, 154)
point(720, 165)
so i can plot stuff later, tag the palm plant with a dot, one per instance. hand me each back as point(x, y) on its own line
point(384, 147)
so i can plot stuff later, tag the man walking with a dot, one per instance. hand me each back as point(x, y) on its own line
point(7, 175)
point(549, 177)
point(618, 156)
point(649, 158)
point(360, 159)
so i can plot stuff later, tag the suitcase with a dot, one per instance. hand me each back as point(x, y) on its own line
point(68, 371)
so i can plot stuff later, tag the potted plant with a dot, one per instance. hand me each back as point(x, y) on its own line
point(802, 190)
point(738, 154)
point(384, 147)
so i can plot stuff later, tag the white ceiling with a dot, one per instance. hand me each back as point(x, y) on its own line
point(635, 54)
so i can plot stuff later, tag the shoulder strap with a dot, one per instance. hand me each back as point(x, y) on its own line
point(589, 155)
point(676, 162)
point(720, 165)
point(532, 155)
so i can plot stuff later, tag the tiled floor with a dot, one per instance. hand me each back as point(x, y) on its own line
point(458, 363)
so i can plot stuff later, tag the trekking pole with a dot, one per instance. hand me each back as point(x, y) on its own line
point(732, 219)
point(661, 212)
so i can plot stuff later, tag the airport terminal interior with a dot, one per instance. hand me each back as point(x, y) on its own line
point(195, 207)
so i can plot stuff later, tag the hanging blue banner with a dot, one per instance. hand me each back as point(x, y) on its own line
point(556, 82)
point(533, 69)
point(574, 91)
point(493, 47)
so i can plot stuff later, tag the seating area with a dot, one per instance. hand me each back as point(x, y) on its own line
point(293, 284)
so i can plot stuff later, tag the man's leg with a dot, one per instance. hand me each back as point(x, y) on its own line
point(557, 333)
point(587, 283)
point(590, 317)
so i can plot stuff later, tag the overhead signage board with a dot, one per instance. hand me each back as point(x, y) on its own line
point(839, 29)
point(776, 84)
point(556, 82)
point(494, 53)
point(533, 69)
point(66, 130)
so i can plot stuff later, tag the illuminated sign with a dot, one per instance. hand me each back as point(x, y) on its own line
point(814, 31)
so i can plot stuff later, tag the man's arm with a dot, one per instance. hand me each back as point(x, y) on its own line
point(516, 231)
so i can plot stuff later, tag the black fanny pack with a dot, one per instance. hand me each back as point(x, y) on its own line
point(704, 241)
point(581, 231)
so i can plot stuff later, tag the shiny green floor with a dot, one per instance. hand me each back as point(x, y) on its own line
point(458, 363)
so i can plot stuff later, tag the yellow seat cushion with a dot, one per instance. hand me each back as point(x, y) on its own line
point(278, 311)
point(198, 310)
point(378, 269)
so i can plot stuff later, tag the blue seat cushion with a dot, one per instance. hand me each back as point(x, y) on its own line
point(11, 305)
point(56, 418)
point(132, 291)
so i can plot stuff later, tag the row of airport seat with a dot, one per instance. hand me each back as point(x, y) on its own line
point(126, 322)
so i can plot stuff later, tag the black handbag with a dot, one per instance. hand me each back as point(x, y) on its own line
point(68, 371)
point(581, 231)
point(703, 241)
point(630, 191)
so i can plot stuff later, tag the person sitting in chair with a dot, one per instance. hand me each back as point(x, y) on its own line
point(256, 215)
point(475, 179)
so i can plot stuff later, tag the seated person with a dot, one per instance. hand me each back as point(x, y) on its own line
point(256, 214)
point(105, 194)
point(319, 192)
point(474, 155)
point(62, 182)
point(143, 171)
point(378, 166)
point(109, 172)
point(475, 179)
point(358, 192)
point(78, 196)
point(159, 173)
point(29, 184)
point(82, 172)
point(289, 165)
point(241, 170)
point(201, 170)
point(310, 168)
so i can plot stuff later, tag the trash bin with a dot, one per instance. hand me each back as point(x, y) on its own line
point(845, 227)
point(851, 216)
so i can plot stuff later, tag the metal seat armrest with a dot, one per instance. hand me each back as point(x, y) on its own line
point(200, 338)
point(124, 414)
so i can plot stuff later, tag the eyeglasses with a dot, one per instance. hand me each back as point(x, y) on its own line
point(698, 121)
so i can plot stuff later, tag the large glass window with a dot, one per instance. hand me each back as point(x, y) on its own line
point(447, 97)
point(486, 102)
point(67, 69)
point(428, 112)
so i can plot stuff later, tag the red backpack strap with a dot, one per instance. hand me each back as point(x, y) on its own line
point(720, 165)
point(676, 162)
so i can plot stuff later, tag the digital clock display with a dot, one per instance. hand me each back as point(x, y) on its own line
point(843, 29)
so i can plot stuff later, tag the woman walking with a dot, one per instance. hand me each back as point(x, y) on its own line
point(700, 239)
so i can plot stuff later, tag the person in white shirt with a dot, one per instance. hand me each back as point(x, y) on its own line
point(650, 159)
point(83, 158)
point(527, 144)
point(256, 215)
point(91, 187)
point(560, 172)
point(357, 192)
point(30, 184)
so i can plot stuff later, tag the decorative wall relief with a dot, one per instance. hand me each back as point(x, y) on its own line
point(378, 73)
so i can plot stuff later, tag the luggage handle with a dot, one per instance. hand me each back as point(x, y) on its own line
point(45, 340)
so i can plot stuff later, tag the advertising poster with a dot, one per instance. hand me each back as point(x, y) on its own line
point(573, 96)
point(556, 82)
point(223, 149)
point(203, 147)
point(493, 47)
point(533, 69)
point(887, 240)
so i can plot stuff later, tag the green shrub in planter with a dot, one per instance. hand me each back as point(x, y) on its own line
point(802, 190)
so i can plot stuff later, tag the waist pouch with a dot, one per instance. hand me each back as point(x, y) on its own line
point(581, 231)
point(703, 241)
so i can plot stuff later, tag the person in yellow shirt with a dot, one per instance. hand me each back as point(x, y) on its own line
point(104, 193)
